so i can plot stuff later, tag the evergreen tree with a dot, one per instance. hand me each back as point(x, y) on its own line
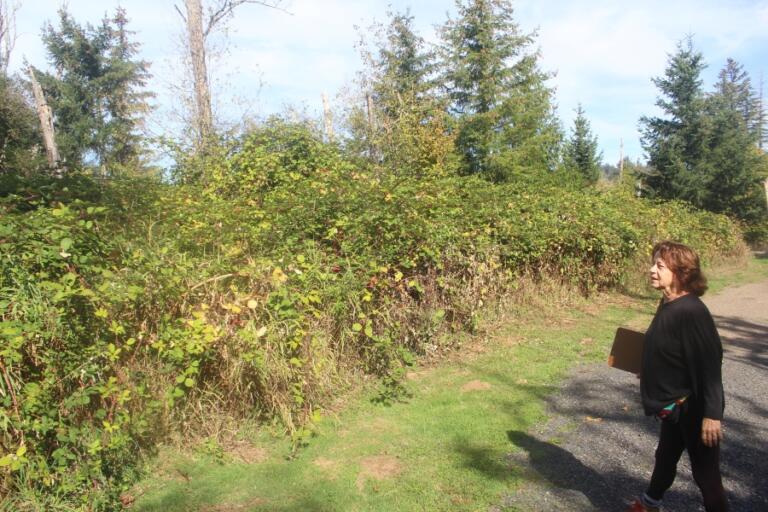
point(734, 186)
point(402, 67)
point(677, 144)
point(734, 92)
point(497, 91)
point(581, 155)
point(126, 99)
point(96, 91)
point(706, 151)
point(405, 128)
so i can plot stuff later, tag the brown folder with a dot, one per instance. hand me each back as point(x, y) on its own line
point(627, 350)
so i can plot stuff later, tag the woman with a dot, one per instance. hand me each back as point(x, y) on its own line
point(681, 381)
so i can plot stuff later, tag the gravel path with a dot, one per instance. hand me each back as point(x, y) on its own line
point(596, 450)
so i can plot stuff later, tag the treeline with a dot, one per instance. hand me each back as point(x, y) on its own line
point(268, 270)
point(476, 103)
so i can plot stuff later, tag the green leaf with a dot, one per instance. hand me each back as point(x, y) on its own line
point(357, 327)
point(369, 330)
point(65, 244)
point(189, 382)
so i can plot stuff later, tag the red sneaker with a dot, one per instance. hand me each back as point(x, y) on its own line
point(637, 506)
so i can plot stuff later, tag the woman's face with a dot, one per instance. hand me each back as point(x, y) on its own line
point(662, 278)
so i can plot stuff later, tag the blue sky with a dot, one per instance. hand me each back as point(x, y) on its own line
point(603, 52)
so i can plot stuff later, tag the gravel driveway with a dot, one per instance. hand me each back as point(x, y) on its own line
point(596, 450)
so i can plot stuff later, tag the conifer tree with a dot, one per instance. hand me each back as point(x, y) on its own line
point(402, 66)
point(734, 91)
point(705, 151)
point(734, 186)
point(404, 130)
point(677, 144)
point(497, 91)
point(96, 92)
point(581, 154)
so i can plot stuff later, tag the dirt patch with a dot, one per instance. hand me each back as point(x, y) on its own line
point(377, 425)
point(248, 453)
point(416, 375)
point(328, 466)
point(475, 385)
point(234, 507)
point(378, 467)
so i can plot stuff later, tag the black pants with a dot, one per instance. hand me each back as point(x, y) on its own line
point(705, 461)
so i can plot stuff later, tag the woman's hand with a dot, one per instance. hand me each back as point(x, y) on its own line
point(711, 432)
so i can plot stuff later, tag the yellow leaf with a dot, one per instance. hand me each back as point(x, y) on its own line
point(278, 276)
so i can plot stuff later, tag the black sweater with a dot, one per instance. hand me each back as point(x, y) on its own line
point(682, 357)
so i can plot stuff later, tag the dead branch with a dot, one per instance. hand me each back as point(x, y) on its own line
point(227, 7)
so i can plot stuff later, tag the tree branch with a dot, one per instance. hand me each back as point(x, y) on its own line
point(227, 7)
point(183, 17)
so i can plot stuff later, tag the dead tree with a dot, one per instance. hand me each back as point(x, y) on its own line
point(7, 33)
point(198, 28)
point(46, 125)
point(203, 116)
point(328, 119)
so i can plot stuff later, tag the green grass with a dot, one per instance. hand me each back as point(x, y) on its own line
point(444, 448)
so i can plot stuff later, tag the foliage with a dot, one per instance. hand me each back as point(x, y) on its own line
point(580, 154)
point(705, 152)
point(676, 145)
point(19, 136)
point(735, 93)
point(402, 67)
point(496, 89)
point(275, 271)
point(273, 154)
point(96, 93)
point(735, 185)
point(405, 129)
point(130, 310)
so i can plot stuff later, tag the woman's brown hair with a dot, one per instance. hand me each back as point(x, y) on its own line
point(684, 264)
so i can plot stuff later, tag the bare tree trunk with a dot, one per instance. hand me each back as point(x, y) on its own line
point(761, 121)
point(7, 33)
point(765, 184)
point(197, 32)
point(372, 150)
point(371, 114)
point(203, 115)
point(46, 126)
point(328, 118)
point(621, 160)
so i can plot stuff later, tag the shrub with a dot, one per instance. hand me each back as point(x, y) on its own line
point(133, 309)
